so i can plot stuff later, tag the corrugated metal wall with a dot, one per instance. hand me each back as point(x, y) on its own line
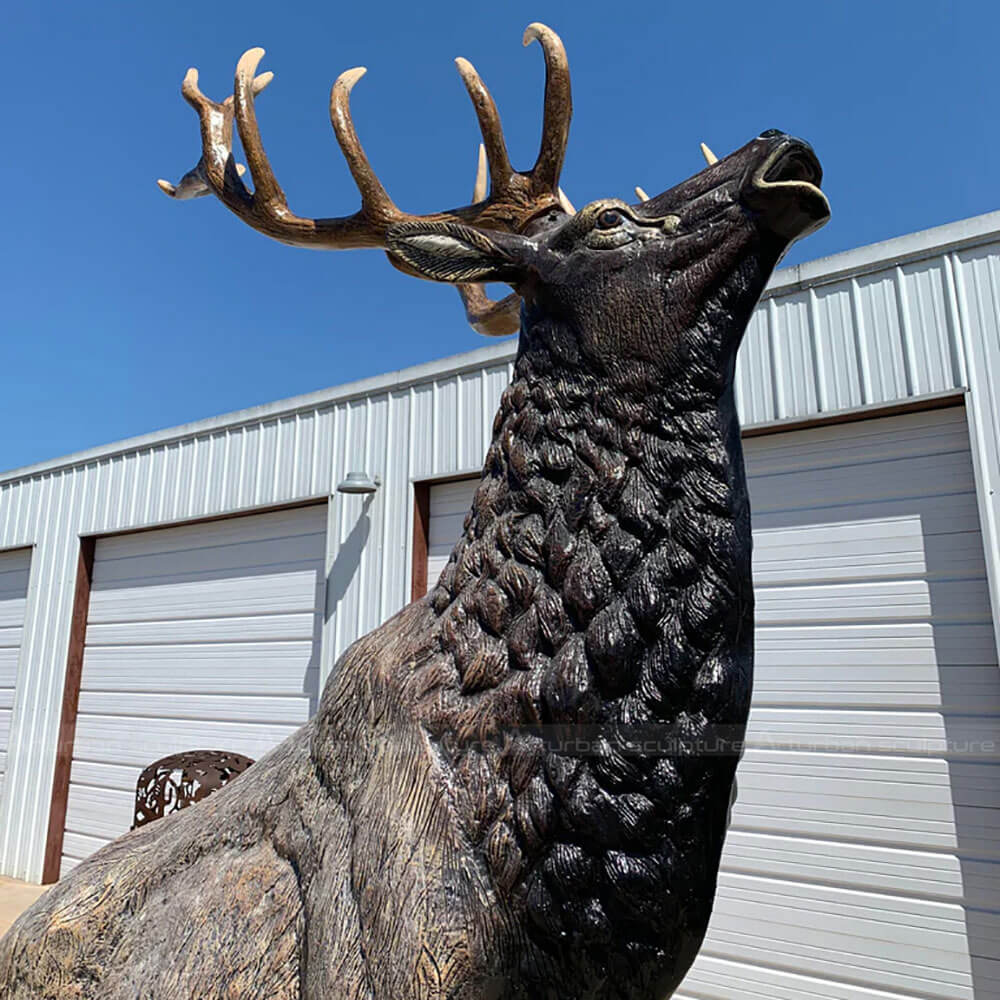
point(853, 342)
point(870, 326)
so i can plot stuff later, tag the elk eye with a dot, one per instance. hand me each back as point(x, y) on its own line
point(608, 219)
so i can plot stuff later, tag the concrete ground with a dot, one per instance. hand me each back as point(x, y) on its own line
point(15, 897)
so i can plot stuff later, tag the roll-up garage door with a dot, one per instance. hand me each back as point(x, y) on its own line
point(863, 860)
point(202, 636)
point(14, 567)
point(449, 503)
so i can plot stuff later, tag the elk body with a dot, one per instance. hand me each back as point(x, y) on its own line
point(518, 786)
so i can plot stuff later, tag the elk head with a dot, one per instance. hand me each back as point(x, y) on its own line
point(670, 281)
point(596, 265)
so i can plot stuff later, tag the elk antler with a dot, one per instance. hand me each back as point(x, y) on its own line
point(194, 184)
point(514, 200)
point(501, 318)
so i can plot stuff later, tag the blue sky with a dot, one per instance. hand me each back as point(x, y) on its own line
point(122, 312)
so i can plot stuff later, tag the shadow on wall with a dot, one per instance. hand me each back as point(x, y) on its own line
point(347, 562)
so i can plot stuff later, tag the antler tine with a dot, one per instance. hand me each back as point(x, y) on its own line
point(558, 107)
point(375, 201)
point(486, 316)
point(479, 188)
point(217, 166)
point(489, 317)
point(489, 126)
point(195, 183)
point(192, 92)
point(266, 189)
point(261, 81)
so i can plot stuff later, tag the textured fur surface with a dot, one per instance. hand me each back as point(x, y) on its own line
point(589, 636)
point(517, 787)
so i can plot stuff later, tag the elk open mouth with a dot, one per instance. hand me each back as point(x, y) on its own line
point(785, 190)
point(796, 164)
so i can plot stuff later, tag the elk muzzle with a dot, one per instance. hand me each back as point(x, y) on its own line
point(783, 189)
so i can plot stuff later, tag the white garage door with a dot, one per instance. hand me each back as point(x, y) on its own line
point(450, 502)
point(199, 637)
point(13, 592)
point(862, 861)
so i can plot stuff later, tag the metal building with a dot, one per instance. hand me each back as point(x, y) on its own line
point(193, 588)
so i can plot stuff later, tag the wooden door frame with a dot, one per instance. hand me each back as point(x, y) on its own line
point(70, 705)
point(422, 526)
point(421, 538)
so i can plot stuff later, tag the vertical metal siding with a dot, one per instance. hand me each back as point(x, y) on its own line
point(977, 274)
point(873, 338)
point(884, 346)
point(15, 569)
point(755, 372)
point(839, 360)
point(423, 401)
point(882, 333)
point(930, 337)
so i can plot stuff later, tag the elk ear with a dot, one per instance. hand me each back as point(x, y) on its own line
point(447, 251)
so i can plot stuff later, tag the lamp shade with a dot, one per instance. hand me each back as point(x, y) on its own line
point(358, 482)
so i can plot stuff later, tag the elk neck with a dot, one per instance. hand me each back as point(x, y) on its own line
point(600, 581)
point(611, 519)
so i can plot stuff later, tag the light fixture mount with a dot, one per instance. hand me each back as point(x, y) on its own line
point(359, 483)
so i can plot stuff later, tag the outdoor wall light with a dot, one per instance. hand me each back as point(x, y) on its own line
point(359, 482)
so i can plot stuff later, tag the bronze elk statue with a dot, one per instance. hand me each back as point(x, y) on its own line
point(518, 786)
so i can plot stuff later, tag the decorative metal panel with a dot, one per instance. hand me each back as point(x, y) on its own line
point(181, 780)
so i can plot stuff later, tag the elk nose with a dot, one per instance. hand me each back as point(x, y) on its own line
point(784, 187)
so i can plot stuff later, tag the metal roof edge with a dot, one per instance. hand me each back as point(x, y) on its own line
point(977, 230)
point(402, 378)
